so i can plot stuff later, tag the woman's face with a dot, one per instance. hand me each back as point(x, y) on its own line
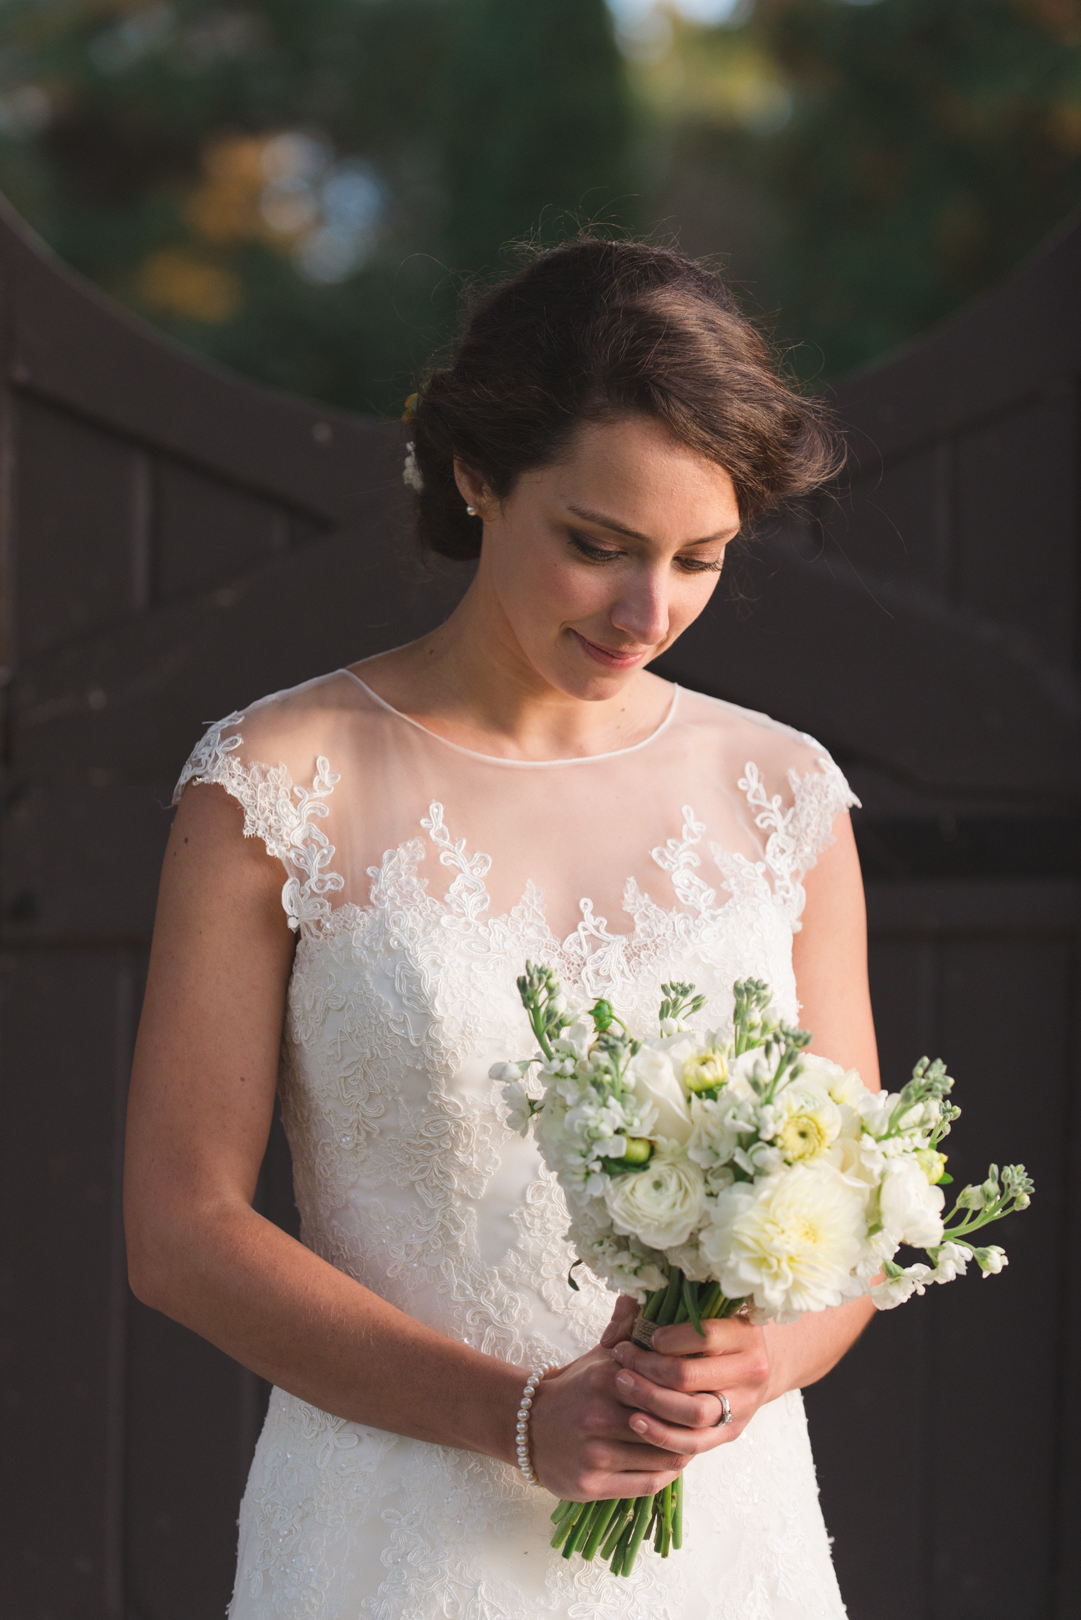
point(595, 565)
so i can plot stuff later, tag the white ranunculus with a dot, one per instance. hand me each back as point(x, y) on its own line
point(655, 1081)
point(790, 1241)
point(897, 1290)
point(911, 1207)
point(660, 1204)
point(808, 1121)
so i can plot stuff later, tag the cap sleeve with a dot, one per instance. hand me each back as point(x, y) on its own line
point(282, 814)
point(799, 832)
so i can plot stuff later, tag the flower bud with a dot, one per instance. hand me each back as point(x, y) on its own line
point(932, 1163)
point(638, 1151)
point(991, 1260)
point(970, 1198)
point(705, 1072)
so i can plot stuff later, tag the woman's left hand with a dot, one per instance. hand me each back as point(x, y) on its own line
point(729, 1357)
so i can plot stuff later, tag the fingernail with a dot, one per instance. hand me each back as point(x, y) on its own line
point(609, 1335)
point(620, 1351)
point(639, 1425)
point(625, 1382)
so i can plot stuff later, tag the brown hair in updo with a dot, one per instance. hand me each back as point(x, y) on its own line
point(594, 330)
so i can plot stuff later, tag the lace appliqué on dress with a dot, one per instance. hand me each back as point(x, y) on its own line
point(797, 836)
point(282, 815)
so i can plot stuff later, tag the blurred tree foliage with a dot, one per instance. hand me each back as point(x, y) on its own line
point(867, 168)
point(293, 186)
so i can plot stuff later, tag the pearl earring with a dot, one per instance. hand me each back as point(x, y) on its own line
point(472, 511)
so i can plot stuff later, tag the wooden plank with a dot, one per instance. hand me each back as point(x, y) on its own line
point(66, 1030)
point(1007, 347)
point(74, 346)
point(857, 667)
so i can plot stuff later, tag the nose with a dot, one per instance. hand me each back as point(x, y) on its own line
point(642, 609)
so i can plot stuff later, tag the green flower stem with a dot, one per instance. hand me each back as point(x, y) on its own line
point(639, 1526)
point(677, 1516)
point(577, 1537)
point(566, 1527)
point(619, 1524)
point(598, 1530)
point(562, 1509)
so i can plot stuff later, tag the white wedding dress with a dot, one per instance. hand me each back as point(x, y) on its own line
point(419, 877)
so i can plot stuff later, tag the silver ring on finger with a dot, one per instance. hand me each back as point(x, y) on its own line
point(726, 1411)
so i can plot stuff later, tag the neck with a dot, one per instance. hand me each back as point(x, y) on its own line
point(470, 682)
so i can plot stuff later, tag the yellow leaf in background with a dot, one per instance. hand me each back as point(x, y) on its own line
point(177, 282)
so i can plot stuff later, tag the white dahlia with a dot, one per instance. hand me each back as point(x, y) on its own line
point(791, 1241)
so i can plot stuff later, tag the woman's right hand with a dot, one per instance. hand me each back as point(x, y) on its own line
point(583, 1447)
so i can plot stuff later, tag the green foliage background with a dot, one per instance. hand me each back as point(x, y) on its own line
point(862, 168)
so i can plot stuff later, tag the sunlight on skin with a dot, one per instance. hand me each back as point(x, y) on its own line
point(589, 570)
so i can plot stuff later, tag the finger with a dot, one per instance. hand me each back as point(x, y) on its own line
point(692, 1374)
point(671, 1438)
point(619, 1456)
point(669, 1405)
point(622, 1320)
point(717, 1338)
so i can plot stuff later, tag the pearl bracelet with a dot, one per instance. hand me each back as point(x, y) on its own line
point(522, 1428)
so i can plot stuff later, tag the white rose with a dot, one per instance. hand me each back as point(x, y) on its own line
point(911, 1207)
point(790, 1241)
point(655, 1081)
point(897, 1290)
point(661, 1204)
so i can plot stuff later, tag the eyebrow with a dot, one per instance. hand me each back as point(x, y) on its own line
point(603, 522)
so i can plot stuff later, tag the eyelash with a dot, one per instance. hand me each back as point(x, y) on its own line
point(600, 555)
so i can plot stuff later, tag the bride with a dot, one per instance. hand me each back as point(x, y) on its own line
point(515, 784)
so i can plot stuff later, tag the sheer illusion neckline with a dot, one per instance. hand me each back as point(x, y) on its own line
point(523, 764)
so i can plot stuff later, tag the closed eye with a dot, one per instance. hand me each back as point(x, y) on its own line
point(596, 554)
point(698, 565)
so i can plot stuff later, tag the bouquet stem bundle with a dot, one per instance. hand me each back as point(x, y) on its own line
point(617, 1529)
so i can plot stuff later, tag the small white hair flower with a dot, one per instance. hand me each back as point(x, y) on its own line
point(411, 473)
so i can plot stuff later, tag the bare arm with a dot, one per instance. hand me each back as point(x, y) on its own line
point(201, 1103)
point(755, 1365)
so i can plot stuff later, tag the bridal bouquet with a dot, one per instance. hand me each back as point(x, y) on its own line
point(735, 1172)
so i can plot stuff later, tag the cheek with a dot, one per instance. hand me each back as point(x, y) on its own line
point(538, 583)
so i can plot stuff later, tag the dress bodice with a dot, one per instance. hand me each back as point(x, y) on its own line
point(681, 857)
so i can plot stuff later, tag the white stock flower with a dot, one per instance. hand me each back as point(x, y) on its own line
point(896, 1290)
point(520, 1110)
point(660, 1204)
point(953, 1259)
point(655, 1081)
point(576, 1039)
point(911, 1208)
point(624, 1266)
point(991, 1260)
point(720, 1127)
point(790, 1241)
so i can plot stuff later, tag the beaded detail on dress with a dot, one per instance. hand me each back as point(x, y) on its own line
point(406, 1175)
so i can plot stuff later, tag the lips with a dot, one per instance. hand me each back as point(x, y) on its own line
point(612, 657)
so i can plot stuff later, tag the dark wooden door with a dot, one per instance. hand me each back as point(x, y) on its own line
point(174, 542)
